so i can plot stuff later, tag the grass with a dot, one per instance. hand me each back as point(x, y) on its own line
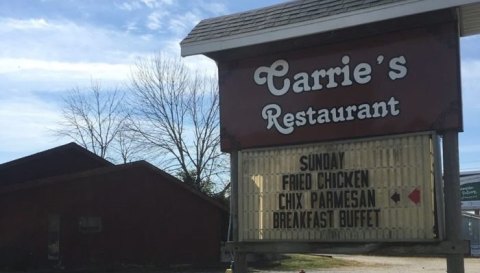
point(297, 262)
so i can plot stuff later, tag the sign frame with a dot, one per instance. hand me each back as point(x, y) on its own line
point(253, 40)
point(310, 115)
point(451, 243)
point(437, 198)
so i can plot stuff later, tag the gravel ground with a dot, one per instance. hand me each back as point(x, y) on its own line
point(375, 264)
point(371, 264)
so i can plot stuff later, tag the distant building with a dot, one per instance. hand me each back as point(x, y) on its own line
point(470, 197)
point(68, 206)
point(470, 191)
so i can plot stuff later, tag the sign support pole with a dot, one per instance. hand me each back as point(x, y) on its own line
point(453, 213)
point(240, 258)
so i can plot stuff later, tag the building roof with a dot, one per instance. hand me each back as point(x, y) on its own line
point(306, 17)
point(64, 159)
point(84, 175)
point(469, 177)
point(470, 215)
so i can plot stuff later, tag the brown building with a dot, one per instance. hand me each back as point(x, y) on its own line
point(68, 206)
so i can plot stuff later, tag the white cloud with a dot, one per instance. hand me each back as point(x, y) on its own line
point(147, 37)
point(131, 26)
point(469, 159)
point(202, 64)
point(470, 71)
point(215, 8)
point(470, 148)
point(167, 2)
point(150, 3)
point(30, 24)
point(66, 41)
point(22, 75)
point(181, 24)
point(42, 57)
point(198, 63)
point(9, 65)
point(139, 4)
point(156, 3)
point(172, 47)
point(130, 6)
point(26, 124)
point(155, 20)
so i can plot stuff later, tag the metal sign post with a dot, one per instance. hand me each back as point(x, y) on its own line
point(455, 263)
point(240, 258)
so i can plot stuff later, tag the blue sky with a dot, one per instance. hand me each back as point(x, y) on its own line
point(51, 46)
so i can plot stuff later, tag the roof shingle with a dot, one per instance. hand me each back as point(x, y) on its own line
point(275, 16)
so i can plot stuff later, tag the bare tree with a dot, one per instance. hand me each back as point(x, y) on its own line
point(127, 145)
point(176, 113)
point(94, 118)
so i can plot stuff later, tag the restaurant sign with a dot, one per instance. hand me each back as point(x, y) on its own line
point(373, 190)
point(398, 82)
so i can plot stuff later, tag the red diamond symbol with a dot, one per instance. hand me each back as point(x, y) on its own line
point(415, 196)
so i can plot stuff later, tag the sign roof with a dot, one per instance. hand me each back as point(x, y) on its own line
point(307, 17)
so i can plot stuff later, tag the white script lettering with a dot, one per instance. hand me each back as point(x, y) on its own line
point(274, 77)
point(285, 123)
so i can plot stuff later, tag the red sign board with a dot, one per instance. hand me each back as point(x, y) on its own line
point(398, 82)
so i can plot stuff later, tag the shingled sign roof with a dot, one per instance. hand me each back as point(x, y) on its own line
point(305, 17)
point(275, 16)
